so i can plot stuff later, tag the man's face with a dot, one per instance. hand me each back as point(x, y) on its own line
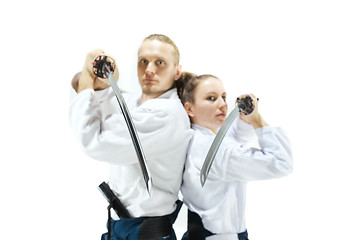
point(157, 70)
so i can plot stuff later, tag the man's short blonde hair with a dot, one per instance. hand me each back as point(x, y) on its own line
point(166, 39)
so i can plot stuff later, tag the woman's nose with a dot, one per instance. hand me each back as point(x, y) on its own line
point(222, 103)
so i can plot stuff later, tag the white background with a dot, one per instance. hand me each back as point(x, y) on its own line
point(301, 58)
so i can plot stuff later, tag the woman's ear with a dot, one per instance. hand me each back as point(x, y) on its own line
point(189, 109)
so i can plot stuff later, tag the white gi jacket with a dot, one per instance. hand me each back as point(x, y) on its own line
point(221, 202)
point(164, 131)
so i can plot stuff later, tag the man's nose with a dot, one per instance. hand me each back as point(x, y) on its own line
point(150, 68)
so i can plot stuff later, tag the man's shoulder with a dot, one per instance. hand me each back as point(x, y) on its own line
point(169, 95)
point(170, 101)
point(167, 104)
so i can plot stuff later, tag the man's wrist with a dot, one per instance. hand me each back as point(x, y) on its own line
point(85, 82)
point(85, 86)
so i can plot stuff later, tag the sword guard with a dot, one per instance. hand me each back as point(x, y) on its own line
point(99, 65)
point(245, 104)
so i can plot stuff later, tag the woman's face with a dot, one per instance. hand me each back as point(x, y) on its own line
point(209, 108)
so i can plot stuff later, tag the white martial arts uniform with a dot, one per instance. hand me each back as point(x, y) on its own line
point(221, 202)
point(164, 131)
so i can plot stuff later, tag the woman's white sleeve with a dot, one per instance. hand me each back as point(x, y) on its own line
point(273, 159)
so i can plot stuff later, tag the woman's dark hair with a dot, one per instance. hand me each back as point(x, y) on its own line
point(187, 84)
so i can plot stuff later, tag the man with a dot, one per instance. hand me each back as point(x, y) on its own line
point(163, 128)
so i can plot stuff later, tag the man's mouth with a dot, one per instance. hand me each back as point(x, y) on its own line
point(150, 80)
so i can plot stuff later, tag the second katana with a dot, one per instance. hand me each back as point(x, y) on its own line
point(104, 66)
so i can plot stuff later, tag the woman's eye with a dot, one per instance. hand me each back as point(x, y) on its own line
point(224, 97)
point(211, 98)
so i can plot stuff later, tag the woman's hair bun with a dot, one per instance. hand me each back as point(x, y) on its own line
point(181, 82)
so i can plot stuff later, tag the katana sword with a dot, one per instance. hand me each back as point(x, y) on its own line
point(104, 68)
point(244, 105)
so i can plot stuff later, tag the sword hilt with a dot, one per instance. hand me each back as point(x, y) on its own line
point(99, 64)
point(245, 104)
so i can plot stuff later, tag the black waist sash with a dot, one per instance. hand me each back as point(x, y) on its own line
point(143, 228)
point(197, 231)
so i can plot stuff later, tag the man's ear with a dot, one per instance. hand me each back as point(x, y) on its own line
point(178, 72)
point(189, 109)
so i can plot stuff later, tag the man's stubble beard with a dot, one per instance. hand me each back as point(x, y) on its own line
point(152, 91)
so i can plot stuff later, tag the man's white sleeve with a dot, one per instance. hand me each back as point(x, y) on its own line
point(106, 138)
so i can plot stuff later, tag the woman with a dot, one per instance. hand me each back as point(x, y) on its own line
point(216, 211)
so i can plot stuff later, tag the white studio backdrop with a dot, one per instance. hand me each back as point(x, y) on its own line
point(301, 58)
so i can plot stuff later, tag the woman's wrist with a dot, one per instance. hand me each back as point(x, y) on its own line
point(259, 122)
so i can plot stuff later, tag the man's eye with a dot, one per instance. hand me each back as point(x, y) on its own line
point(143, 61)
point(160, 62)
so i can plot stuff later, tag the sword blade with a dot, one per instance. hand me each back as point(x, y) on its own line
point(216, 144)
point(133, 133)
